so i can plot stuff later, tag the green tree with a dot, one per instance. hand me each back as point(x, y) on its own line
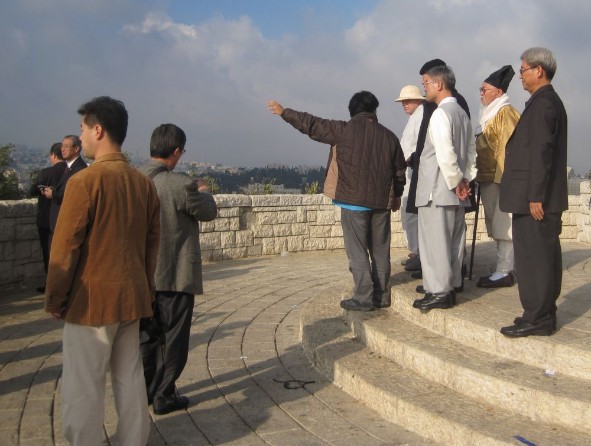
point(312, 188)
point(214, 187)
point(9, 188)
point(268, 186)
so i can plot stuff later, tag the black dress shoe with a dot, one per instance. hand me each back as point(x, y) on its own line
point(421, 289)
point(40, 289)
point(507, 281)
point(166, 405)
point(444, 302)
point(416, 274)
point(523, 328)
point(413, 264)
point(355, 305)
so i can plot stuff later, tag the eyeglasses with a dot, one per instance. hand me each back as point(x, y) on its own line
point(521, 70)
point(429, 82)
point(65, 146)
point(484, 90)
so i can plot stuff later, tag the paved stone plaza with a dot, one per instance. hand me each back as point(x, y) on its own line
point(246, 371)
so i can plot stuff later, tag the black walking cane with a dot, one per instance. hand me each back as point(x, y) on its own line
point(474, 229)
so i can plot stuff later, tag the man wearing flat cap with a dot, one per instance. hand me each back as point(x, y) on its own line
point(534, 188)
point(496, 124)
point(412, 104)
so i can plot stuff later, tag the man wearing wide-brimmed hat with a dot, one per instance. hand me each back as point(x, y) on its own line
point(412, 103)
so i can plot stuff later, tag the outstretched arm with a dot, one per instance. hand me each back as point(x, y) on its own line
point(274, 107)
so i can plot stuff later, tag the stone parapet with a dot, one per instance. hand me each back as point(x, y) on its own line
point(250, 226)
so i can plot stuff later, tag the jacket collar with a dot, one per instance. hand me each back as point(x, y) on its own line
point(117, 156)
point(539, 91)
point(366, 115)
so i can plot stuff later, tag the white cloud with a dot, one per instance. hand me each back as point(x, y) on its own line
point(213, 77)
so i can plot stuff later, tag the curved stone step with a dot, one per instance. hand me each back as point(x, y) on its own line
point(403, 397)
point(476, 322)
point(509, 384)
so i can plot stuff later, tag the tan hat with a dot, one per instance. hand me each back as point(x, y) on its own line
point(410, 92)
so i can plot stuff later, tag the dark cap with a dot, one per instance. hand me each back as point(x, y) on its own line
point(431, 64)
point(501, 78)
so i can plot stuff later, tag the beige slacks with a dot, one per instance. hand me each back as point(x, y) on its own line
point(88, 354)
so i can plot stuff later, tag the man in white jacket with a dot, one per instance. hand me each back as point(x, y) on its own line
point(448, 164)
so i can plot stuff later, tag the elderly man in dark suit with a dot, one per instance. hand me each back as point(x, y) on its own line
point(71, 148)
point(534, 189)
point(183, 204)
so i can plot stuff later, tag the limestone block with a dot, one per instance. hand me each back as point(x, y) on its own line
point(227, 240)
point(244, 238)
point(232, 200)
point(273, 218)
point(29, 271)
point(336, 231)
point(246, 218)
point(234, 223)
point(585, 187)
point(234, 253)
point(569, 233)
point(207, 226)
point(268, 246)
point(301, 214)
point(282, 230)
point(22, 250)
point(6, 272)
point(266, 200)
point(299, 229)
point(311, 216)
point(26, 229)
point(229, 212)
point(281, 244)
point(290, 200)
point(320, 231)
point(335, 243)
point(262, 230)
point(210, 240)
point(254, 251)
point(216, 255)
point(312, 199)
point(222, 224)
point(21, 208)
point(7, 229)
point(8, 250)
point(295, 243)
point(315, 244)
point(326, 217)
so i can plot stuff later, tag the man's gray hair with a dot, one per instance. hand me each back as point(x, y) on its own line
point(445, 75)
point(540, 57)
point(75, 140)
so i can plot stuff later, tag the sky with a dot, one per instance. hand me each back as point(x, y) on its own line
point(209, 66)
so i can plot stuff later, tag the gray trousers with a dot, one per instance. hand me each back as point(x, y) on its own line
point(442, 239)
point(367, 242)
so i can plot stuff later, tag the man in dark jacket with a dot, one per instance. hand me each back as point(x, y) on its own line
point(365, 177)
point(183, 204)
point(48, 177)
point(534, 189)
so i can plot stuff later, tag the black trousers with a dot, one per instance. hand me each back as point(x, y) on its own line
point(538, 262)
point(367, 243)
point(44, 240)
point(164, 342)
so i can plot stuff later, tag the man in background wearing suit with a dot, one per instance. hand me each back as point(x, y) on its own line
point(183, 204)
point(448, 164)
point(71, 147)
point(534, 189)
point(48, 177)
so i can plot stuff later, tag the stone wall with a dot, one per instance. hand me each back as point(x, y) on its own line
point(247, 226)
